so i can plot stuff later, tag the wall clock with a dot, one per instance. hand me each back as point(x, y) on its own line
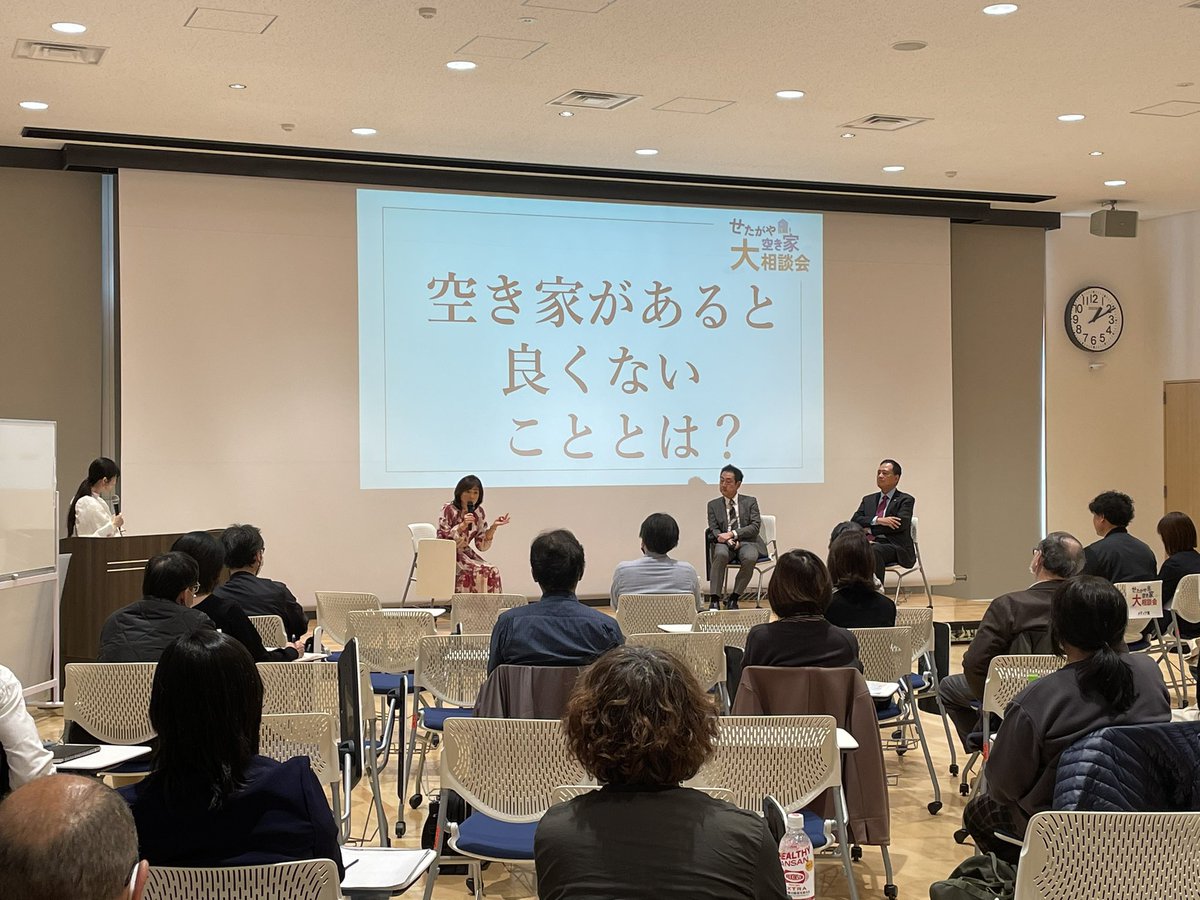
point(1094, 319)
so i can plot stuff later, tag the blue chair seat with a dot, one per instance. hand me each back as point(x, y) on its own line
point(434, 717)
point(891, 711)
point(814, 827)
point(916, 682)
point(483, 836)
point(383, 683)
point(334, 656)
point(1138, 646)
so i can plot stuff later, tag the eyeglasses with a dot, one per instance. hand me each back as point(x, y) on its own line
point(195, 588)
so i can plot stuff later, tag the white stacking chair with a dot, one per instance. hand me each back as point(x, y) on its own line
point(565, 792)
point(1144, 599)
point(703, 652)
point(901, 572)
point(765, 564)
point(333, 610)
point(794, 759)
point(1185, 607)
point(418, 531)
point(309, 879)
point(271, 630)
point(1110, 856)
point(919, 621)
point(282, 736)
point(886, 655)
point(733, 624)
point(477, 613)
point(111, 701)
point(643, 613)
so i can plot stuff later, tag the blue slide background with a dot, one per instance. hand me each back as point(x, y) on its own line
point(441, 398)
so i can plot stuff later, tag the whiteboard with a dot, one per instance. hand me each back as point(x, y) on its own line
point(28, 501)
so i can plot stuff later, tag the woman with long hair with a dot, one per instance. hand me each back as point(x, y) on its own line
point(90, 513)
point(464, 522)
point(640, 723)
point(210, 799)
point(1100, 685)
point(856, 602)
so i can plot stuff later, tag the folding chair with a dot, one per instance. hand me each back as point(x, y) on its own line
point(506, 770)
point(419, 531)
point(1145, 608)
point(111, 701)
point(477, 613)
point(643, 613)
point(565, 792)
point(886, 655)
point(271, 630)
point(733, 624)
point(309, 879)
point(701, 651)
point(901, 571)
point(333, 608)
point(766, 563)
point(919, 622)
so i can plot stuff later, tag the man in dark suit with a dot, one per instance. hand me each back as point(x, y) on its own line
point(733, 526)
point(257, 596)
point(886, 516)
point(1118, 555)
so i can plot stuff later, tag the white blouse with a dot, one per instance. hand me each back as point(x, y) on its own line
point(93, 518)
point(27, 759)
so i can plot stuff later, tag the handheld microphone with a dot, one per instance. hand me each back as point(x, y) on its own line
point(470, 509)
point(116, 502)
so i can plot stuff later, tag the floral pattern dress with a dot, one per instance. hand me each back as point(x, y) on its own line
point(474, 575)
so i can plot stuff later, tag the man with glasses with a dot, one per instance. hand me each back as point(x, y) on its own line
point(69, 836)
point(733, 529)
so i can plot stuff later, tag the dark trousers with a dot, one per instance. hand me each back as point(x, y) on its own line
point(957, 698)
point(984, 816)
point(885, 555)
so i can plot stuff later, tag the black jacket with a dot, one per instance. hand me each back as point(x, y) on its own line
point(1119, 556)
point(141, 631)
point(258, 596)
point(901, 506)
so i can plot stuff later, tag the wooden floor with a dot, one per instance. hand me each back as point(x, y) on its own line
point(923, 849)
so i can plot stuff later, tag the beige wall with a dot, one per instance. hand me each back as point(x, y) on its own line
point(50, 300)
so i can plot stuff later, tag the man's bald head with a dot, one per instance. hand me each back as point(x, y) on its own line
point(66, 836)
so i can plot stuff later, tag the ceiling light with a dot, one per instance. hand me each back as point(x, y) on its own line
point(893, 168)
point(33, 104)
point(1115, 183)
point(363, 132)
point(527, 20)
point(1072, 117)
point(238, 86)
point(909, 46)
point(848, 134)
point(646, 151)
point(460, 65)
point(1000, 9)
point(69, 27)
point(1096, 153)
point(566, 114)
point(789, 95)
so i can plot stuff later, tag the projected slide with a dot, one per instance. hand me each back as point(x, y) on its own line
point(553, 342)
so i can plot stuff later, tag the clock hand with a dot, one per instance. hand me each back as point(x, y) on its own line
point(1099, 313)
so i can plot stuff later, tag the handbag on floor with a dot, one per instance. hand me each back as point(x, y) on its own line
point(980, 877)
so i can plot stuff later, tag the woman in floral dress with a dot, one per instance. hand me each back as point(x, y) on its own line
point(464, 522)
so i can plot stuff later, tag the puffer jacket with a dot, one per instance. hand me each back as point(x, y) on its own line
point(1132, 768)
point(141, 631)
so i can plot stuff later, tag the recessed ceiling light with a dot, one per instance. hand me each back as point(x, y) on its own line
point(69, 27)
point(1096, 153)
point(893, 168)
point(1072, 117)
point(527, 20)
point(364, 132)
point(566, 114)
point(238, 86)
point(33, 104)
point(1115, 183)
point(1000, 9)
point(848, 134)
point(909, 46)
point(646, 151)
point(789, 95)
point(460, 65)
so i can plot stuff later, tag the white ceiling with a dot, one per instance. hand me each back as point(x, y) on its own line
point(991, 86)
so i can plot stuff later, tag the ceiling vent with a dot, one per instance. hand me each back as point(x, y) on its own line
point(52, 51)
point(878, 122)
point(593, 100)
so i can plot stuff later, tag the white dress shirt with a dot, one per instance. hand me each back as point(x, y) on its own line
point(93, 517)
point(27, 759)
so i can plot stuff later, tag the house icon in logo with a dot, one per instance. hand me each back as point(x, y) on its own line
point(784, 227)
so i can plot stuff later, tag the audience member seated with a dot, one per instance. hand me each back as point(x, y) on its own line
point(257, 596)
point(799, 593)
point(68, 837)
point(1118, 555)
point(856, 603)
point(1099, 686)
point(210, 799)
point(22, 757)
point(141, 631)
point(640, 724)
point(654, 572)
point(558, 630)
point(230, 618)
point(1018, 622)
point(1178, 534)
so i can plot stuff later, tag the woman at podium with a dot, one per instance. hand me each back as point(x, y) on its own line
point(91, 513)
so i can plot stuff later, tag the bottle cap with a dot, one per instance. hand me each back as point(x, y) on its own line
point(795, 821)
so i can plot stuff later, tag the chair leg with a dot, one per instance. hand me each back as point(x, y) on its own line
point(412, 576)
point(925, 581)
point(425, 741)
point(889, 885)
point(936, 806)
point(411, 745)
point(476, 869)
point(439, 839)
point(385, 839)
point(839, 807)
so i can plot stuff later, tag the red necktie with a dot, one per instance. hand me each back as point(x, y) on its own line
point(882, 507)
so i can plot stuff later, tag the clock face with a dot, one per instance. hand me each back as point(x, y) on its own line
point(1094, 319)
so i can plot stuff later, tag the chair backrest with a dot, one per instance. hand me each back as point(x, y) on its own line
point(477, 613)
point(334, 606)
point(1008, 675)
point(290, 687)
point(912, 530)
point(1144, 599)
point(565, 792)
point(1083, 855)
point(284, 736)
point(508, 768)
point(453, 667)
point(919, 622)
point(437, 561)
point(421, 531)
point(310, 879)
point(270, 629)
point(1186, 602)
point(643, 613)
point(110, 700)
point(388, 638)
point(701, 651)
point(792, 758)
point(733, 624)
point(886, 653)
point(767, 532)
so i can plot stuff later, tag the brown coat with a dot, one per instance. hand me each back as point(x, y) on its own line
point(526, 692)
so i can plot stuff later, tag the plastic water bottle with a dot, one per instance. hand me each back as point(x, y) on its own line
point(796, 858)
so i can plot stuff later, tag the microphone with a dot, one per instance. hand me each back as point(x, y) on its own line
point(471, 509)
point(116, 502)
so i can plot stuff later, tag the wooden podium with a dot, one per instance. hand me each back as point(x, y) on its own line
point(105, 574)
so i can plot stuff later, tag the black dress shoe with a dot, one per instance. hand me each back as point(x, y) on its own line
point(732, 602)
point(714, 603)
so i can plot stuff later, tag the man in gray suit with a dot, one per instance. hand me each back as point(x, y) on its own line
point(733, 524)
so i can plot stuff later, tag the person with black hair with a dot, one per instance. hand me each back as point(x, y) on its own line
point(1178, 533)
point(210, 799)
point(886, 516)
point(227, 615)
point(257, 596)
point(1099, 686)
point(654, 572)
point(1118, 555)
point(464, 522)
point(558, 630)
point(856, 601)
point(90, 513)
point(734, 527)
point(141, 631)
